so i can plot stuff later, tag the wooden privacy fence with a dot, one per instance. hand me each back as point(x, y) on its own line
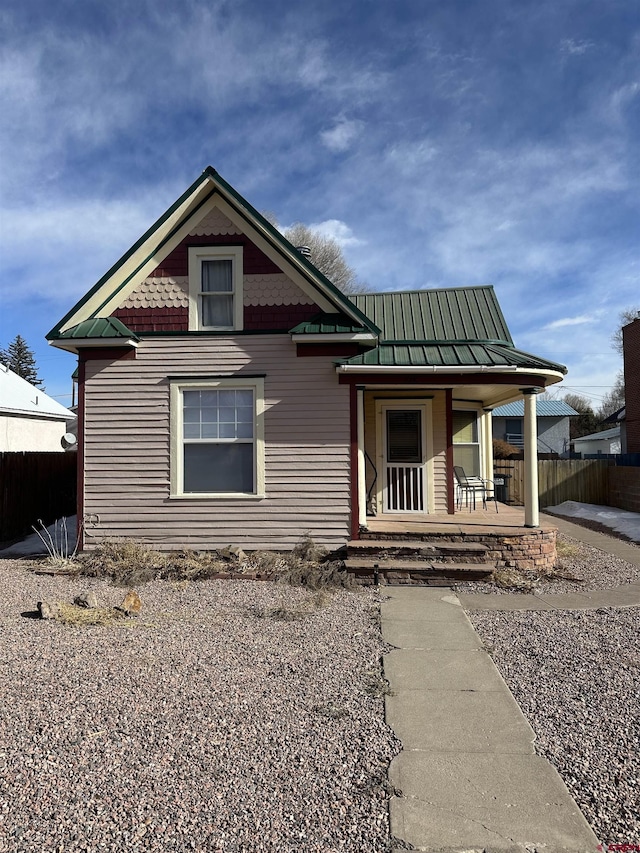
point(35, 486)
point(583, 480)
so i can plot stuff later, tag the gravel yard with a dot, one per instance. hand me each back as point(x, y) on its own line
point(212, 723)
point(576, 677)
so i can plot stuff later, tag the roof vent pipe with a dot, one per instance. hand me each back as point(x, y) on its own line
point(304, 250)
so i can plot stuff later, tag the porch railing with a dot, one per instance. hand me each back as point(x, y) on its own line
point(405, 488)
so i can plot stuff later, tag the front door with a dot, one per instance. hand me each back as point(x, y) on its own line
point(403, 457)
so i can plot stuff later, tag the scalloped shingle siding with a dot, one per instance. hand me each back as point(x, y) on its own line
point(273, 289)
point(215, 222)
point(159, 293)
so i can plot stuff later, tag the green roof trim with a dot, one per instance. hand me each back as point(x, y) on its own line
point(450, 355)
point(101, 327)
point(443, 314)
point(328, 324)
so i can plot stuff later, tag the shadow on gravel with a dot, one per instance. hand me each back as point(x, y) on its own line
point(31, 614)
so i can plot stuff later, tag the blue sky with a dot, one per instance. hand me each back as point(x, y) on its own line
point(443, 142)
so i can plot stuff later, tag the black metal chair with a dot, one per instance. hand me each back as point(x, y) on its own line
point(471, 486)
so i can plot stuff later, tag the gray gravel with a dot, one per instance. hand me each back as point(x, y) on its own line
point(594, 568)
point(210, 725)
point(576, 676)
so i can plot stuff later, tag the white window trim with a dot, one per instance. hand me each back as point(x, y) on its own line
point(480, 431)
point(198, 254)
point(177, 457)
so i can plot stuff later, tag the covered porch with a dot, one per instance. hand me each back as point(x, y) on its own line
point(409, 435)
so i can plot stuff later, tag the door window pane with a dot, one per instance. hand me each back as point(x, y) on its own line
point(404, 436)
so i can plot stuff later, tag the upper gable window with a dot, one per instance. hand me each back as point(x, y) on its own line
point(215, 288)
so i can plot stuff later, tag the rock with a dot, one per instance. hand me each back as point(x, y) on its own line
point(86, 599)
point(49, 609)
point(234, 552)
point(131, 604)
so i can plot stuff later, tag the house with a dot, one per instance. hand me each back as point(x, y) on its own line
point(552, 425)
point(631, 355)
point(29, 418)
point(605, 442)
point(228, 392)
point(619, 418)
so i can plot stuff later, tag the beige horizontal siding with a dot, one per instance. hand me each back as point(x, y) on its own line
point(127, 447)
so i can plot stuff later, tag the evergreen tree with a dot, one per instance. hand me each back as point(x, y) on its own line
point(19, 358)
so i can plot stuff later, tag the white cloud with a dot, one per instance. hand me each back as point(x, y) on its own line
point(342, 135)
point(338, 231)
point(576, 47)
point(570, 321)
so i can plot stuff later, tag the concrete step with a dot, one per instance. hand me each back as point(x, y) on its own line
point(415, 548)
point(392, 571)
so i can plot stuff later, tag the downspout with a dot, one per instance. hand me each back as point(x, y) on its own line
point(531, 498)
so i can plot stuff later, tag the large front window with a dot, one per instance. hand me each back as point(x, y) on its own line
point(217, 446)
point(466, 446)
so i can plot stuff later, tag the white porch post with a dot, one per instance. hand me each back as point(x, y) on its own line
point(531, 514)
point(362, 483)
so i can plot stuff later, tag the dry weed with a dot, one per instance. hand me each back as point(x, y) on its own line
point(71, 614)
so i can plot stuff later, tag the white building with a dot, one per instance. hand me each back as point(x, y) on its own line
point(29, 418)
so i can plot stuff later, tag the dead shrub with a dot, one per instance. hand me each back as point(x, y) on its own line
point(126, 562)
point(511, 578)
point(71, 614)
point(503, 450)
point(308, 551)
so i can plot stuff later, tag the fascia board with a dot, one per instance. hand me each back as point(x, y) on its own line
point(319, 338)
point(551, 375)
point(73, 344)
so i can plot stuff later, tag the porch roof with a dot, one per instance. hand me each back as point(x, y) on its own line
point(454, 354)
point(328, 324)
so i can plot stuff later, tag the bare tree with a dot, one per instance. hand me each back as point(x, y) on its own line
point(325, 253)
point(625, 317)
point(614, 399)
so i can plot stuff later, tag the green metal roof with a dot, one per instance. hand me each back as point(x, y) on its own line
point(450, 355)
point(101, 327)
point(451, 314)
point(328, 324)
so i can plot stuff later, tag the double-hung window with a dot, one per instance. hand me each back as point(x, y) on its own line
point(215, 288)
point(217, 438)
point(466, 444)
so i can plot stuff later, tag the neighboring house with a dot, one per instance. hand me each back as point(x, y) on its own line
point(229, 393)
point(29, 418)
point(619, 418)
point(552, 425)
point(631, 355)
point(607, 441)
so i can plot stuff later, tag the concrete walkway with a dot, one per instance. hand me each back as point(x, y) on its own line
point(468, 774)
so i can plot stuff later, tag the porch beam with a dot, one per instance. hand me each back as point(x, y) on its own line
point(362, 484)
point(531, 498)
